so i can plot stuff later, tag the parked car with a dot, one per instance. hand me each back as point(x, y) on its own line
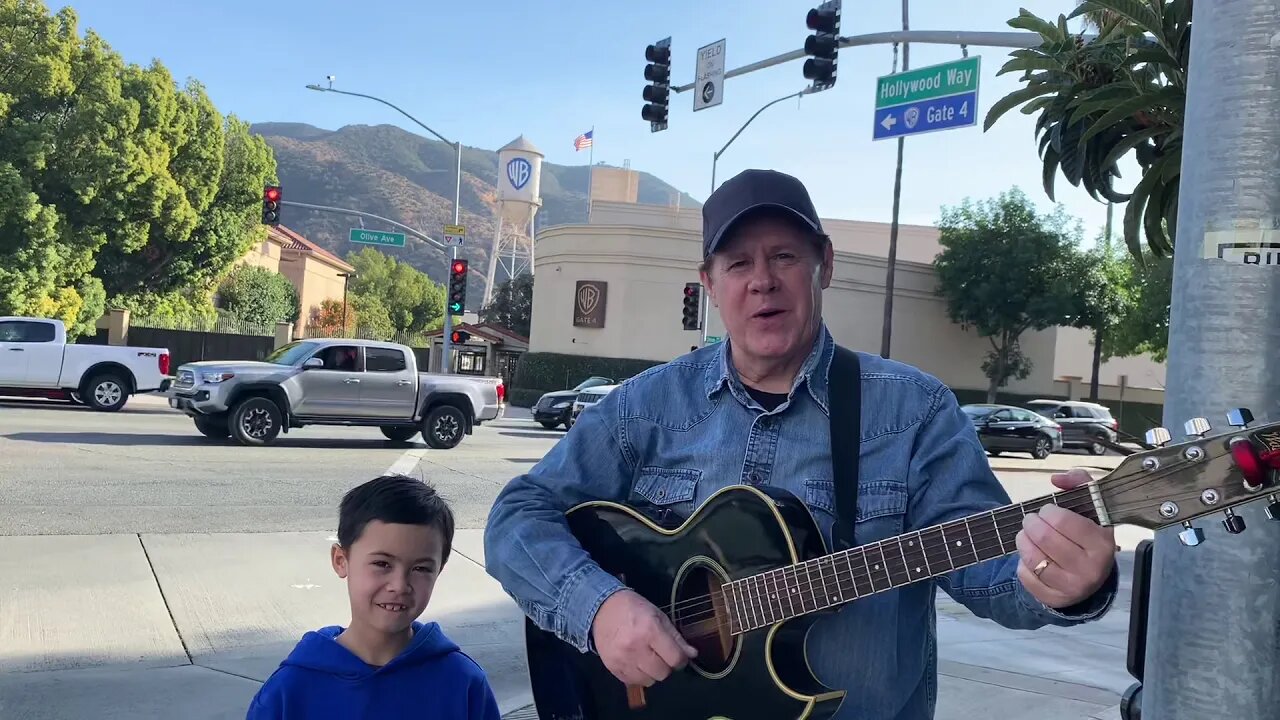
point(334, 382)
point(1084, 424)
point(37, 361)
point(1004, 428)
point(587, 398)
point(555, 408)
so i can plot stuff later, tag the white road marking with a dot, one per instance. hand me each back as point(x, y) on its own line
point(408, 462)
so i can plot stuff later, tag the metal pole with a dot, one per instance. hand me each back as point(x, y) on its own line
point(766, 106)
point(925, 37)
point(886, 329)
point(1213, 648)
point(359, 214)
point(457, 194)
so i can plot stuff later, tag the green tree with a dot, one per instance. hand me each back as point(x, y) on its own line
point(410, 301)
point(256, 295)
point(1123, 91)
point(110, 171)
point(64, 128)
point(1105, 294)
point(511, 305)
point(1144, 328)
point(1005, 269)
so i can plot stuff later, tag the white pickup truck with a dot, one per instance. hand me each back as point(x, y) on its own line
point(36, 361)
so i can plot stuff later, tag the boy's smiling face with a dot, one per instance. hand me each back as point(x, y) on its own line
point(390, 572)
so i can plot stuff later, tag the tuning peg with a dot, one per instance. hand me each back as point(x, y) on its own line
point(1273, 510)
point(1240, 417)
point(1196, 427)
point(1192, 536)
point(1158, 436)
point(1233, 523)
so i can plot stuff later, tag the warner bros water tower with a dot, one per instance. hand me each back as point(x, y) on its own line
point(519, 197)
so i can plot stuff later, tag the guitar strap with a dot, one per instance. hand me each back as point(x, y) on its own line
point(844, 388)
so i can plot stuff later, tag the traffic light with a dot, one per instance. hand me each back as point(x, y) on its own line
point(822, 45)
point(271, 205)
point(692, 306)
point(657, 94)
point(457, 286)
point(459, 337)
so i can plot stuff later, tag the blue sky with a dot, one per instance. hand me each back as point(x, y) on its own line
point(485, 72)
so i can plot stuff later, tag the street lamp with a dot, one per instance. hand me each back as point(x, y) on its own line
point(345, 277)
point(457, 193)
point(716, 156)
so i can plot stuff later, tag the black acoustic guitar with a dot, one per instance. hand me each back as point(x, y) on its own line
point(746, 575)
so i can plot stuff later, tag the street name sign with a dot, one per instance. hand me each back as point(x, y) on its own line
point(927, 99)
point(377, 237)
point(709, 76)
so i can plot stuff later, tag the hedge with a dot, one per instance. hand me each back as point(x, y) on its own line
point(541, 372)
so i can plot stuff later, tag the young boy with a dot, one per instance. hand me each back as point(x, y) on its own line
point(394, 537)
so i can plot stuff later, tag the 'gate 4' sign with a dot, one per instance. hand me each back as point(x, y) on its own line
point(928, 99)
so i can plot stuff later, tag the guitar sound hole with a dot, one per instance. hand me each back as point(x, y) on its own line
point(701, 617)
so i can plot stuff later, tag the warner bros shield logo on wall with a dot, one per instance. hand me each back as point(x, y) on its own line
point(589, 302)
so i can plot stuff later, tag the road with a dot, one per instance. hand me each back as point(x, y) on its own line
point(69, 470)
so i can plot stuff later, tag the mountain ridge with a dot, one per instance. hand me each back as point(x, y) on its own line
point(388, 171)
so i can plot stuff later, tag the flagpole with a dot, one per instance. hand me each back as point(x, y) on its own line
point(591, 163)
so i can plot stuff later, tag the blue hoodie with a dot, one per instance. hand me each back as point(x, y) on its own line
point(432, 679)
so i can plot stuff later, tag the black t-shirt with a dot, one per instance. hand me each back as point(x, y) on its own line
point(769, 401)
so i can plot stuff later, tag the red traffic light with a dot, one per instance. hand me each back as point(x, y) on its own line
point(690, 290)
point(459, 267)
point(272, 194)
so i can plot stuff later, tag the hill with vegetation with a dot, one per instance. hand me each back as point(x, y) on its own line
point(388, 171)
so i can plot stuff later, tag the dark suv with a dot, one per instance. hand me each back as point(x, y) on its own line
point(555, 408)
point(1084, 424)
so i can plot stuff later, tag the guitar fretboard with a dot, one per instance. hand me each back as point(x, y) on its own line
point(777, 595)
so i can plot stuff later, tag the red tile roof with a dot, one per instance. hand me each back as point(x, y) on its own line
point(291, 240)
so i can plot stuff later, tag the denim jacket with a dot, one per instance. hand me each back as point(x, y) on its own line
point(674, 434)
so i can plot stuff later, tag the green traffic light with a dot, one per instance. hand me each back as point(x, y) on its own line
point(455, 307)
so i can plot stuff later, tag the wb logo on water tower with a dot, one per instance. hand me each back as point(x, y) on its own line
point(518, 172)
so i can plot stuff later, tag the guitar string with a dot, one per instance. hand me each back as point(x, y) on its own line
point(1084, 501)
point(909, 555)
point(917, 554)
point(759, 609)
point(951, 524)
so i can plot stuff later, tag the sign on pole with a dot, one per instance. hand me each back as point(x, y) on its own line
point(927, 99)
point(454, 235)
point(709, 77)
point(377, 237)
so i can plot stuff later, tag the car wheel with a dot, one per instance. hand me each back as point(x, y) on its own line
point(1098, 448)
point(398, 433)
point(255, 421)
point(214, 427)
point(106, 392)
point(444, 427)
point(549, 424)
point(1042, 448)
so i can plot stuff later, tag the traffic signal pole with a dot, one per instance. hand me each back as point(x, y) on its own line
point(446, 353)
point(1213, 644)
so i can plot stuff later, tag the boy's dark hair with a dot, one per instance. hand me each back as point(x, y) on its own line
point(394, 499)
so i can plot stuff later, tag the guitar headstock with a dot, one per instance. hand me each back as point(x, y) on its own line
point(1205, 474)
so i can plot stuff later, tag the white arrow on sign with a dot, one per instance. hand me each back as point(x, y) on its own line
point(889, 121)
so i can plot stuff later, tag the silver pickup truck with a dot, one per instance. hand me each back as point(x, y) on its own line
point(334, 382)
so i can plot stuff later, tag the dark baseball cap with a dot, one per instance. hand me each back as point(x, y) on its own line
point(748, 192)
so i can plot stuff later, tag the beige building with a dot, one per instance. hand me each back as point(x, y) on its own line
point(630, 264)
point(315, 273)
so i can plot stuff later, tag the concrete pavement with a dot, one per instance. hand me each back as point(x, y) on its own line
point(138, 620)
point(188, 625)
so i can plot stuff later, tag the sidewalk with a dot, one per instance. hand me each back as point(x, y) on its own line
point(188, 626)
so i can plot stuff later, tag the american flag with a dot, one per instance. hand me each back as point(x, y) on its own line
point(583, 141)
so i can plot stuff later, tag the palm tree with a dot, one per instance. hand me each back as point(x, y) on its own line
point(1124, 90)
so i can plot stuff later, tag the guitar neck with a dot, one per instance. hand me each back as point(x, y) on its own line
point(770, 597)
